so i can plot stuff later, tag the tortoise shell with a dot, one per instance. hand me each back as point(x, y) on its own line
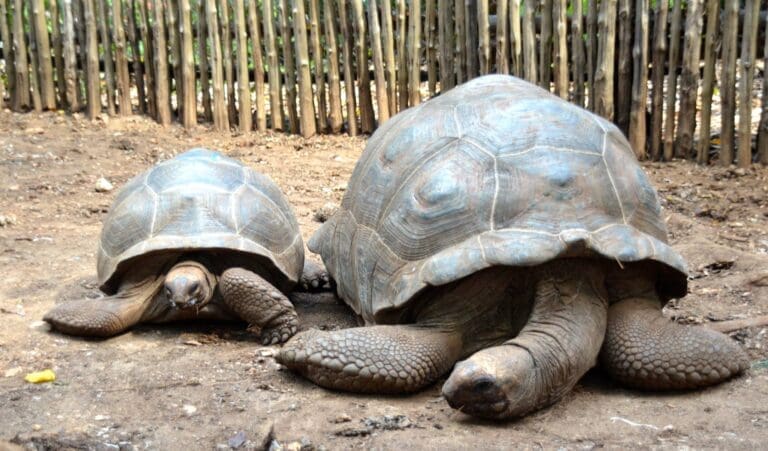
point(494, 172)
point(198, 201)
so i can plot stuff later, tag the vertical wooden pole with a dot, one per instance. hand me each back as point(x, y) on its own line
point(335, 119)
point(149, 54)
point(289, 62)
point(674, 55)
point(258, 65)
point(414, 46)
point(461, 38)
point(577, 50)
point(245, 119)
point(220, 114)
point(70, 60)
point(138, 66)
point(545, 44)
point(592, 46)
point(560, 56)
point(202, 47)
point(161, 65)
point(8, 51)
point(47, 90)
point(123, 78)
point(473, 39)
point(349, 81)
point(624, 66)
point(484, 37)
point(502, 37)
point(657, 78)
point(317, 57)
point(306, 99)
point(226, 52)
point(21, 100)
point(402, 56)
point(93, 107)
point(382, 101)
point(106, 46)
point(515, 39)
point(430, 30)
point(762, 132)
point(388, 38)
point(689, 79)
point(273, 64)
point(34, 78)
point(174, 57)
point(747, 73)
point(707, 83)
point(637, 134)
point(188, 89)
point(82, 52)
point(447, 44)
point(605, 61)
point(530, 60)
point(367, 118)
point(728, 81)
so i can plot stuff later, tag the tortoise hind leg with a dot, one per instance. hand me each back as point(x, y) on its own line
point(376, 359)
point(107, 316)
point(643, 349)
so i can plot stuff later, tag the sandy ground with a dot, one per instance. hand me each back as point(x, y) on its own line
point(212, 385)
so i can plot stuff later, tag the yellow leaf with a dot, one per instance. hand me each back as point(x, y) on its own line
point(38, 377)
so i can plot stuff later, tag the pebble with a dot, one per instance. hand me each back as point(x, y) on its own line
point(103, 185)
point(40, 326)
point(11, 372)
point(324, 213)
point(36, 427)
point(7, 220)
point(189, 409)
point(101, 417)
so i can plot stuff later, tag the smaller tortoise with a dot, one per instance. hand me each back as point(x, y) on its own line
point(500, 224)
point(197, 236)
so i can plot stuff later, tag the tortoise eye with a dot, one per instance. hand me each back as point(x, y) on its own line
point(168, 293)
point(194, 287)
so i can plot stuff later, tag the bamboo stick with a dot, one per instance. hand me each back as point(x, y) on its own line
point(47, 90)
point(226, 53)
point(121, 63)
point(93, 107)
point(689, 80)
point(161, 65)
point(289, 65)
point(382, 101)
point(106, 46)
point(306, 100)
point(431, 38)
point(335, 119)
point(624, 66)
point(149, 54)
point(707, 84)
point(657, 77)
point(730, 32)
point(446, 41)
point(22, 99)
point(545, 44)
point(639, 80)
point(220, 113)
point(174, 56)
point(202, 47)
point(367, 118)
point(515, 39)
point(461, 38)
point(70, 61)
point(674, 55)
point(473, 39)
point(34, 79)
point(8, 52)
point(138, 66)
point(349, 82)
point(319, 72)
point(606, 23)
point(530, 60)
point(747, 74)
point(82, 52)
point(258, 65)
point(188, 89)
point(388, 37)
point(502, 37)
point(560, 56)
point(273, 65)
point(592, 46)
point(484, 38)
point(577, 50)
point(402, 56)
point(245, 119)
point(414, 46)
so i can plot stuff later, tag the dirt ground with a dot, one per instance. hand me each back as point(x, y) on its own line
point(213, 386)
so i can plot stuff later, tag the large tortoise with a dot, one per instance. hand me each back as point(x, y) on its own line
point(197, 236)
point(500, 224)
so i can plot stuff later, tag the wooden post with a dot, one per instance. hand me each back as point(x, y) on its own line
point(202, 46)
point(461, 38)
point(762, 132)
point(707, 84)
point(34, 79)
point(577, 50)
point(747, 72)
point(414, 46)
point(188, 89)
point(317, 57)
point(545, 44)
point(382, 101)
point(402, 56)
point(58, 53)
point(515, 39)
point(82, 53)
point(674, 55)
point(70, 61)
point(93, 107)
point(245, 119)
point(502, 37)
point(288, 61)
point(605, 62)
point(335, 119)
point(657, 78)
point(592, 47)
point(349, 81)
point(446, 40)
point(161, 65)
point(728, 81)
point(484, 38)
point(530, 57)
point(47, 90)
point(123, 78)
point(226, 52)
point(388, 37)
point(273, 64)
point(8, 52)
point(220, 114)
point(689, 80)
point(138, 66)
point(431, 40)
point(21, 100)
point(174, 56)
point(106, 45)
point(561, 48)
point(306, 100)
point(639, 80)
point(258, 65)
point(149, 55)
point(473, 40)
point(624, 66)
point(367, 119)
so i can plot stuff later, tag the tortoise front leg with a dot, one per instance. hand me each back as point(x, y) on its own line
point(259, 303)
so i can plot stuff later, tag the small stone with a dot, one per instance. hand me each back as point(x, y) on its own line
point(237, 440)
point(189, 409)
point(11, 372)
point(36, 427)
point(267, 352)
point(325, 212)
point(40, 326)
point(34, 131)
point(7, 220)
point(103, 185)
point(101, 417)
point(343, 418)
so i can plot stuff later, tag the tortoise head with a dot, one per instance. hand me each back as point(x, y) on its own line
point(189, 285)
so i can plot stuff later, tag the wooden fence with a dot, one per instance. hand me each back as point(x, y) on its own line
point(323, 66)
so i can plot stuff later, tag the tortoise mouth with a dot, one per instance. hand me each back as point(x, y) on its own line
point(473, 391)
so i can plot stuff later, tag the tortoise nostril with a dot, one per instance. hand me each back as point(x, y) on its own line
point(483, 385)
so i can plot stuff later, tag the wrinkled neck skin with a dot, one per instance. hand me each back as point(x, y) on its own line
point(189, 285)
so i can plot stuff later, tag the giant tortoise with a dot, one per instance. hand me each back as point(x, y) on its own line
point(502, 225)
point(197, 236)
